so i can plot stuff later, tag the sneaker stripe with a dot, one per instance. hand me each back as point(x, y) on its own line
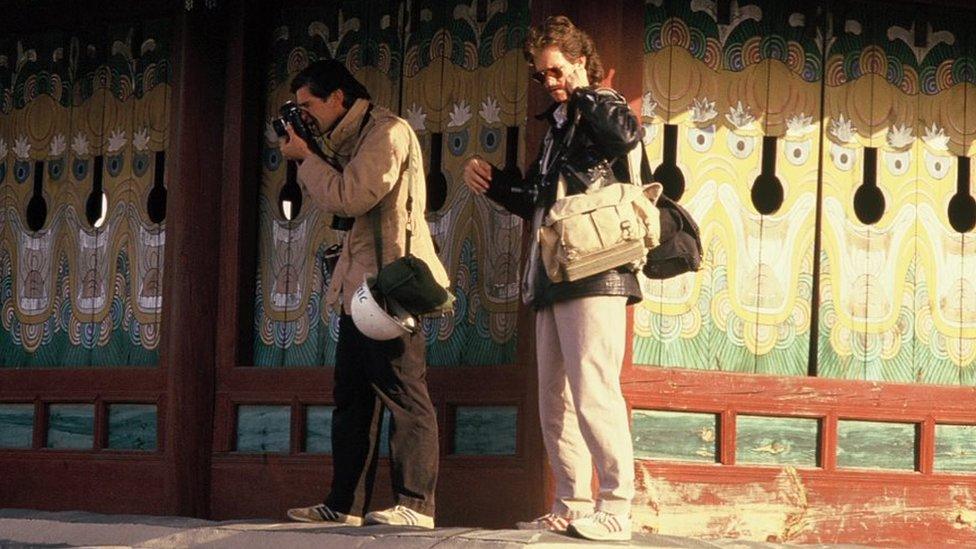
point(327, 513)
point(556, 522)
point(411, 516)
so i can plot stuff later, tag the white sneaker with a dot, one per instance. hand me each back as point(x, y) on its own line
point(550, 522)
point(602, 526)
point(398, 515)
point(322, 513)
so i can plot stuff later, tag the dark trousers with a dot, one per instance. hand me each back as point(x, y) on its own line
point(371, 375)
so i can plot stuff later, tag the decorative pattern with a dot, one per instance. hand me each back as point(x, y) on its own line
point(74, 294)
point(748, 309)
point(896, 300)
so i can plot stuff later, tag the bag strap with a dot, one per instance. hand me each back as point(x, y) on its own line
point(374, 217)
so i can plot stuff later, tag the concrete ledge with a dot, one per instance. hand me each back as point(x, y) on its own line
point(27, 528)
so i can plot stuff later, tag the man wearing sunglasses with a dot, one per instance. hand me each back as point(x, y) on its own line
point(580, 325)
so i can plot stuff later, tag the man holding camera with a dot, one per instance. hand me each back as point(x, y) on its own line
point(374, 175)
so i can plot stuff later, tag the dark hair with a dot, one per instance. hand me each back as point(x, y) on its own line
point(560, 32)
point(326, 76)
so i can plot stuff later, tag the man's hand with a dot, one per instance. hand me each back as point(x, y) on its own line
point(293, 147)
point(477, 175)
point(576, 77)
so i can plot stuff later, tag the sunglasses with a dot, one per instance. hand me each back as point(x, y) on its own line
point(554, 72)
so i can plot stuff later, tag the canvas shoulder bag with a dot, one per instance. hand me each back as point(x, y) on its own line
point(608, 227)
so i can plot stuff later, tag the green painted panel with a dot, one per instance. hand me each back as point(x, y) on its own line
point(485, 430)
point(16, 425)
point(263, 429)
point(955, 448)
point(776, 440)
point(679, 436)
point(318, 430)
point(876, 445)
point(132, 426)
point(71, 426)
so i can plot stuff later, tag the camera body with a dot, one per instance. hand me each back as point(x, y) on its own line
point(291, 114)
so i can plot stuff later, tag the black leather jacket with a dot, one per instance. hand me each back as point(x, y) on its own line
point(590, 149)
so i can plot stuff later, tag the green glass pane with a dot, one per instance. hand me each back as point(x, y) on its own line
point(318, 430)
point(485, 430)
point(132, 427)
point(955, 448)
point(263, 429)
point(876, 445)
point(16, 425)
point(776, 440)
point(678, 436)
point(71, 426)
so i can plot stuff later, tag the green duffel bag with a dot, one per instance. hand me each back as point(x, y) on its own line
point(409, 282)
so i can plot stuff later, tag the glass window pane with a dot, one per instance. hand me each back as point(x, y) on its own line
point(263, 429)
point(71, 426)
point(876, 445)
point(677, 436)
point(318, 429)
point(485, 430)
point(955, 448)
point(776, 440)
point(132, 426)
point(16, 425)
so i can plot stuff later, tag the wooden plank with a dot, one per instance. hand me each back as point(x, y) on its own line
point(805, 396)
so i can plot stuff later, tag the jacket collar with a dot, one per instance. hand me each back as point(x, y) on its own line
point(548, 114)
point(341, 139)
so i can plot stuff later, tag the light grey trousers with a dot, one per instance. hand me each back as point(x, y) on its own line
point(580, 350)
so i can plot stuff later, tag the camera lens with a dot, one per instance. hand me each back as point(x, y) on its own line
point(278, 125)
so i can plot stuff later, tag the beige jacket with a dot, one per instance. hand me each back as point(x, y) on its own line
point(380, 160)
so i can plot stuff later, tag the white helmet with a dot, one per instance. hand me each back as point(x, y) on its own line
point(374, 321)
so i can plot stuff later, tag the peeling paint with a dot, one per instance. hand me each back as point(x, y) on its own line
point(775, 511)
point(788, 509)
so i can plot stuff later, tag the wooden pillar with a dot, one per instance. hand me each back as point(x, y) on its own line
point(190, 281)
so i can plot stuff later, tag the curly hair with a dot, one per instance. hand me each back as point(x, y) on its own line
point(560, 32)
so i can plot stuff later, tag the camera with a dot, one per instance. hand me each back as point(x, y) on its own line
point(291, 114)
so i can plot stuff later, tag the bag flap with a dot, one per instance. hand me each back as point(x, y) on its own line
point(610, 195)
